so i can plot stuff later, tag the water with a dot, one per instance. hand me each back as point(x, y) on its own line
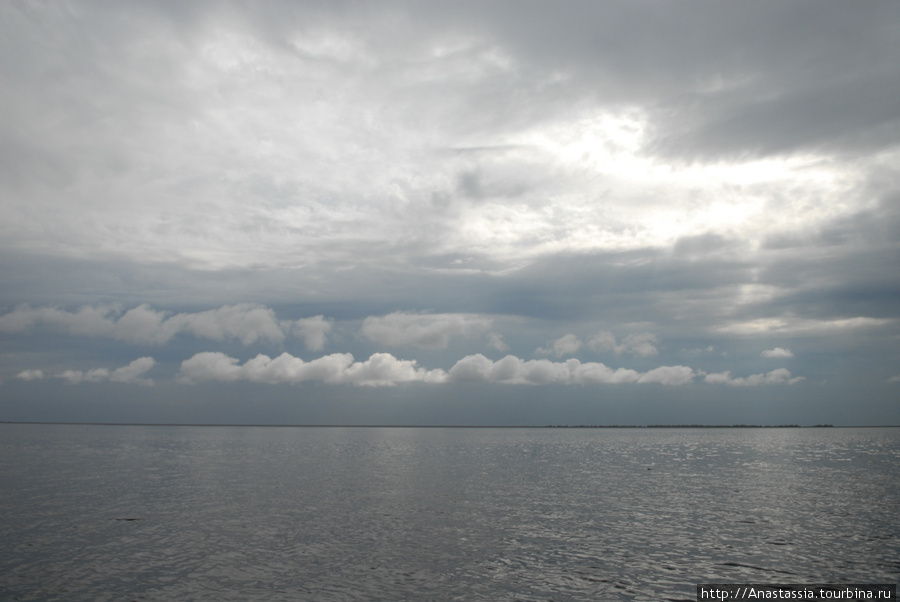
point(254, 513)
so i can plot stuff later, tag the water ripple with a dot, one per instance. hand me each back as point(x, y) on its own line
point(109, 513)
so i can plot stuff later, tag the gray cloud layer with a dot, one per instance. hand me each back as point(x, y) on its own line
point(702, 183)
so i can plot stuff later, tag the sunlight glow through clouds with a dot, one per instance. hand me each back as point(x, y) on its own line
point(550, 185)
point(311, 160)
point(799, 325)
point(675, 200)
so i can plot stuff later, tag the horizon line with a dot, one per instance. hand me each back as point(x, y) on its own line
point(454, 426)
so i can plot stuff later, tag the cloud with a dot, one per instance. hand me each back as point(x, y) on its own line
point(496, 341)
point(380, 370)
point(30, 375)
point(513, 370)
point(247, 322)
point(802, 325)
point(642, 344)
point(313, 331)
point(383, 369)
point(699, 351)
point(130, 374)
point(780, 376)
point(566, 345)
point(92, 321)
point(696, 82)
point(700, 178)
point(776, 353)
point(668, 375)
point(894, 379)
point(428, 331)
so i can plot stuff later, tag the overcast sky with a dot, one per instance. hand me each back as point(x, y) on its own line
point(450, 212)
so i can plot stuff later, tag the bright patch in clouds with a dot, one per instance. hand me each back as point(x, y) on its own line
point(371, 128)
point(801, 325)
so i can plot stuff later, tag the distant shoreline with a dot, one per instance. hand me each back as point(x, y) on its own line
point(467, 426)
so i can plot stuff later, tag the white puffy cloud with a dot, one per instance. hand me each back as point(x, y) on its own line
point(30, 375)
point(133, 371)
point(642, 344)
point(130, 374)
point(781, 376)
point(210, 365)
point(668, 375)
point(429, 331)
point(246, 322)
point(381, 369)
point(776, 353)
point(565, 345)
point(91, 376)
point(598, 373)
point(513, 370)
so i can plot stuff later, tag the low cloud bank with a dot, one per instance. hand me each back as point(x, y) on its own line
point(380, 370)
point(781, 376)
point(777, 353)
point(130, 374)
point(246, 322)
point(385, 370)
point(513, 370)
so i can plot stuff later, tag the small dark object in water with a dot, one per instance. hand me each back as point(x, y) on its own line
point(128, 519)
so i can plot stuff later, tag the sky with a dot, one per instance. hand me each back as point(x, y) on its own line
point(450, 213)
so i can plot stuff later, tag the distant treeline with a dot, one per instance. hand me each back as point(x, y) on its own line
point(685, 426)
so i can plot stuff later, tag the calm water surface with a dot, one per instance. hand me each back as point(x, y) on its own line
point(255, 513)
